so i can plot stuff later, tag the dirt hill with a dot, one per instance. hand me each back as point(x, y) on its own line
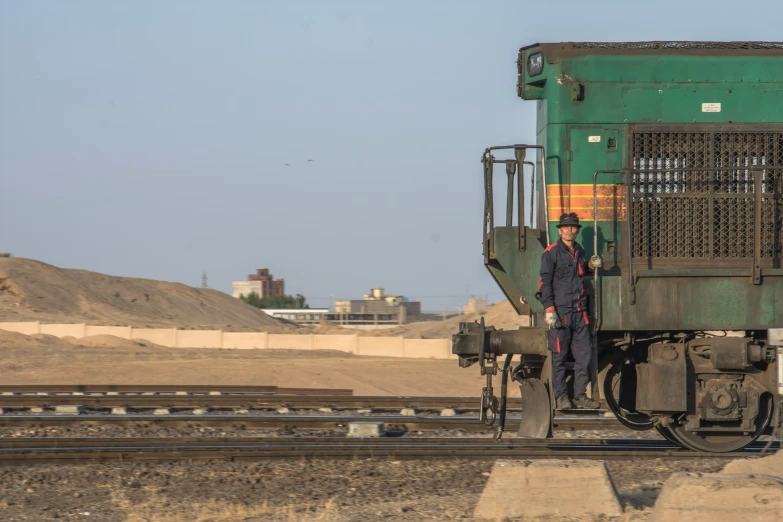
point(34, 291)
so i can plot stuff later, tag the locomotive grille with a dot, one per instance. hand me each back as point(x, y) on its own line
point(708, 214)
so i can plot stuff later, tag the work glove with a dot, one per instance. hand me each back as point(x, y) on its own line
point(552, 319)
point(596, 261)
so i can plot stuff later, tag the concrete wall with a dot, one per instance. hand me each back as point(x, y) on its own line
point(199, 339)
point(344, 343)
point(123, 332)
point(292, 341)
point(382, 346)
point(64, 330)
point(427, 348)
point(245, 340)
point(161, 336)
point(169, 337)
point(26, 328)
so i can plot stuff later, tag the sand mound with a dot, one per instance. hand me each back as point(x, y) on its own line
point(17, 339)
point(34, 291)
point(110, 341)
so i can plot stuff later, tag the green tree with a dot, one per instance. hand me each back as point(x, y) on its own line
point(276, 301)
point(253, 299)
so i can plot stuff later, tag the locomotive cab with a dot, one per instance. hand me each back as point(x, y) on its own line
point(671, 153)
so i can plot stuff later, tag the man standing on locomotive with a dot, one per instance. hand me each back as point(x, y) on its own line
point(563, 295)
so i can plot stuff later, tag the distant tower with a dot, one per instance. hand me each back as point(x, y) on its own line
point(204, 280)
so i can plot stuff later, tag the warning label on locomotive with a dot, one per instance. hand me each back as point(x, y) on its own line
point(594, 139)
point(710, 107)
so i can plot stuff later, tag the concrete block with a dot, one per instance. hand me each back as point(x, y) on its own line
point(692, 497)
point(161, 411)
point(408, 412)
point(241, 411)
point(325, 410)
point(77, 393)
point(365, 429)
point(112, 393)
point(525, 489)
point(36, 409)
point(215, 393)
point(68, 409)
point(771, 465)
point(9, 393)
point(282, 411)
point(447, 412)
point(119, 411)
point(200, 411)
point(363, 411)
point(181, 393)
point(2, 411)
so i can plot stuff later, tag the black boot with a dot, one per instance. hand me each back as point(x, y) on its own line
point(582, 401)
point(563, 403)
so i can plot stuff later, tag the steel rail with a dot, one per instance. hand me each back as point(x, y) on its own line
point(167, 388)
point(411, 423)
point(242, 400)
point(146, 442)
point(352, 449)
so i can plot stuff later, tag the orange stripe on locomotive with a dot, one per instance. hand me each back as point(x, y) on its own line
point(610, 200)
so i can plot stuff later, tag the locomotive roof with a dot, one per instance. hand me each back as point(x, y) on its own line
point(555, 51)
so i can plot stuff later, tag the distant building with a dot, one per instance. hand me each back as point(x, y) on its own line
point(299, 315)
point(262, 282)
point(377, 302)
point(475, 304)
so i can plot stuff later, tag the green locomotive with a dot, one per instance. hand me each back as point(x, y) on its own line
point(671, 153)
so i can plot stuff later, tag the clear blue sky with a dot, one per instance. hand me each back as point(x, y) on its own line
point(149, 138)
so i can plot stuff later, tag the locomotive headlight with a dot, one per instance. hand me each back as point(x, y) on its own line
point(535, 64)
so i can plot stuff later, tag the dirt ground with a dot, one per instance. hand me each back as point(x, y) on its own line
point(45, 359)
point(308, 490)
point(286, 490)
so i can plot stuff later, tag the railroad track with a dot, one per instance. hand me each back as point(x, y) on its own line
point(242, 400)
point(79, 451)
point(392, 422)
point(13, 389)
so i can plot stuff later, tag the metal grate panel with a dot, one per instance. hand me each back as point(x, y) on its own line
point(707, 214)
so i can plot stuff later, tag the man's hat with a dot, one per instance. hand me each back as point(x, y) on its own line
point(570, 219)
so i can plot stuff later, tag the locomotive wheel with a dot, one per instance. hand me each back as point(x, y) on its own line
point(633, 420)
point(713, 442)
point(672, 436)
point(666, 434)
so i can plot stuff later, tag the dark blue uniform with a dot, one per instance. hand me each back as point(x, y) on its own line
point(563, 291)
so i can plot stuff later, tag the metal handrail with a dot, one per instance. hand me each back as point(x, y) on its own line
point(488, 161)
